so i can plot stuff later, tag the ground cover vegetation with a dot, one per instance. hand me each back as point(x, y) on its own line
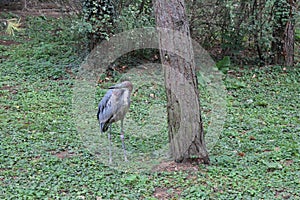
point(42, 155)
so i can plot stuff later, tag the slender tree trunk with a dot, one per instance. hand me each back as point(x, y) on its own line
point(289, 39)
point(284, 31)
point(176, 51)
point(256, 8)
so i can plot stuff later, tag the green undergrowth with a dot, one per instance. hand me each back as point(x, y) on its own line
point(42, 155)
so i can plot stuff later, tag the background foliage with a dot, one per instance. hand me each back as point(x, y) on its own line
point(243, 30)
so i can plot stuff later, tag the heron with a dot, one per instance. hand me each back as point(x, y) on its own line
point(113, 108)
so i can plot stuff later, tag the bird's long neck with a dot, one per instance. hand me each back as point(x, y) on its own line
point(126, 99)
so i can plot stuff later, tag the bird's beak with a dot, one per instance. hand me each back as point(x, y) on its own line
point(115, 86)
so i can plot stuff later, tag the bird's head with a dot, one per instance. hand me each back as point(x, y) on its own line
point(124, 85)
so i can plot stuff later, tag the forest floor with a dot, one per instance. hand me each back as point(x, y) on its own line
point(43, 154)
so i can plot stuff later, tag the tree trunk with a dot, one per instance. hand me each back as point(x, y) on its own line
point(184, 119)
point(289, 39)
point(283, 33)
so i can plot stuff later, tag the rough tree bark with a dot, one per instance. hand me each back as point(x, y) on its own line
point(184, 119)
point(289, 39)
point(283, 33)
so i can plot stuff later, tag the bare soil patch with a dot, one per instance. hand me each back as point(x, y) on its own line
point(10, 89)
point(62, 154)
point(171, 166)
point(8, 43)
point(166, 193)
point(34, 8)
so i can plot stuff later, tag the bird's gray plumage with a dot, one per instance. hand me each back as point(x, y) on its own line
point(105, 111)
point(113, 107)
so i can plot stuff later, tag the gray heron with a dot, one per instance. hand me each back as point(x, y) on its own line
point(112, 108)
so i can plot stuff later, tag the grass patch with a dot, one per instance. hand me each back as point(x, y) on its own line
point(42, 155)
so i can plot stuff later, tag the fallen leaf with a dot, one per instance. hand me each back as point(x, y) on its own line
point(252, 137)
point(242, 154)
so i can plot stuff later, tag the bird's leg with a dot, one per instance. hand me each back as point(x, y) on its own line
point(122, 138)
point(109, 138)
